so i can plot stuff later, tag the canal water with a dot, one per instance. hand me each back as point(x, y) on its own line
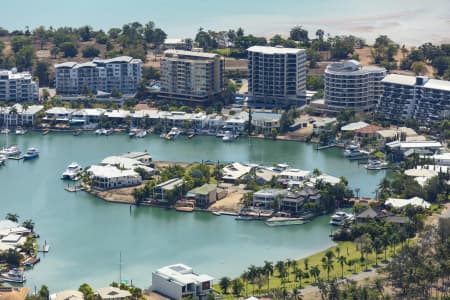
point(87, 235)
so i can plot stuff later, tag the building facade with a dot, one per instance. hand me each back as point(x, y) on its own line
point(191, 77)
point(349, 85)
point(18, 87)
point(121, 74)
point(18, 115)
point(276, 76)
point(406, 97)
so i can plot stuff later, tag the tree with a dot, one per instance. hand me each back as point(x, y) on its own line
point(41, 35)
point(87, 291)
point(54, 51)
point(299, 34)
point(342, 261)
point(24, 58)
point(91, 51)
point(29, 224)
point(85, 33)
point(419, 68)
point(441, 64)
point(19, 42)
point(224, 284)
point(12, 217)
point(69, 49)
point(42, 72)
point(44, 292)
point(327, 263)
point(268, 271)
point(237, 286)
point(315, 272)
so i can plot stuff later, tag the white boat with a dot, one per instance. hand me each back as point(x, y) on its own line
point(103, 131)
point(20, 131)
point(14, 275)
point(285, 221)
point(5, 131)
point(10, 151)
point(3, 159)
point(141, 134)
point(133, 132)
point(173, 133)
point(377, 164)
point(72, 171)
point(31, 153)
point(228, 136)
point(354, 151)
point(340, 218)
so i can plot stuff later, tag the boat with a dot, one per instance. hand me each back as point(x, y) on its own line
point(45, 132)
point(246, 218)
point(133, 132)
point(173, 133)
point(3, 159)
point(340, 218)
point(5, 131)
point(31, 153)
point(376, 164)
point(216, 213)
point(14, 275)
point(20, 131)
point(228, 137)
point(354, 151)
point(11, 151)
point(72, 171)
point(77, 132)
point(191, 135)
point(285, 221)
point(141, 134)
point(103, 131)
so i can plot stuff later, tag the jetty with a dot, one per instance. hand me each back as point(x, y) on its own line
point(74, 189)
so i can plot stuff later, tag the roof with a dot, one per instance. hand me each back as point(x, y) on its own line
point(397, 219)
point(235, 171)
point(370, 213)
point(14, 293)
point(270, 193)
point(170, 184)
point(59, 110)
point(204, 189)
point(7, 224)
point(111, 172)
point(437, 84)
point(354, 126)
point(400, 203)
point(137, 155)
point(182, 275)
point(295, 173)
point(67, 64)
point(112, 293)
point(399, 79)
point(274, 50)
point(351, 67)
point(414, 144)
point(122, 161)
point(326, 178)
point(67, 295)
point(265, 116)
point(174, 52)
point(174, 41)
point(421, 173)
point(371, 129)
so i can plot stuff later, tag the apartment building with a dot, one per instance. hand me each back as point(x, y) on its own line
point(121, 74)
point(18, 86)
point(349, 85)
point(405, 97)
point(191, 77)
point(276, 77)
point(18, 115)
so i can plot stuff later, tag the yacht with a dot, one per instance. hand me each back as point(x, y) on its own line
point(20, 131)
point(10, 151)
point(228, 136)
point(72, 171)
point(31, 153)
point(103, 131)
point(133, 132)
point(14, 275)
point(354, 151)
point(173, 133)
point(141, 134)
point(5, 131)
point(377, 164)
point(340, 218)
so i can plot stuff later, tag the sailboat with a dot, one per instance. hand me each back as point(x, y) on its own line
point(9, 151)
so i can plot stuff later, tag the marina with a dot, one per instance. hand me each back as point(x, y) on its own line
point(148, 236)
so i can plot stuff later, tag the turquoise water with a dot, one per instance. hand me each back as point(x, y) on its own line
point(86, 234)
point(408, 21)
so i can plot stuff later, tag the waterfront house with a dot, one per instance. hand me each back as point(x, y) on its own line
point(414, 145)
point(266, 198)
point(112, 293)
point(236, 123)
point(67, 295)
point(179, 281)
point(370, 214)
point(18, 115)
point(235, 172)
point(87, 116)
point(168, 191)
point(204, 195)
point(142, 157)
point(59, 114)
point(111, 177)
point(264, 122)
point(293, 177)
point(311, 194)
point(402, 203)
point(325, 178)
point(264, 175)
point(292, 202)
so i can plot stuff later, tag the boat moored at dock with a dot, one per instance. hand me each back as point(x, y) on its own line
point(31, 154)
point(376, 164)
point(11, 151)
point(340, 218)
point(72, 171)
point(14, 275)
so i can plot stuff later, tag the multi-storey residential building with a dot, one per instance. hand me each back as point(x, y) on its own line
point(121, 74)
point(276, 76)
point(349, 85)
point(17, 87)
point(192, 77)
point(405, 97)
point(18, 115)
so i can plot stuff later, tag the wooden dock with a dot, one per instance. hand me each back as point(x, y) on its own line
point(74, 189)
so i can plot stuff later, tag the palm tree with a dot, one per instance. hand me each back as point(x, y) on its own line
point(12, 217)
point(29, 224)
point(268, 271)
point(327, 263)
point(245, 278)
point(299, 275)
point(252, 274)
point(342, 260)
point(294, 266)
point(306, 263)
point(281, 268)
point(224, 284)
point(385, 244)
point(315, 272)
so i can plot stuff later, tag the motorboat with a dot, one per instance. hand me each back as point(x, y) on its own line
point(173, 133)
point(141, 134)
point(228, 136)
point(133, 132)
point(14, 275)
point(3, 159)
point(5, 131)
point(377, 164)
point(31, 153)
point(354, 151)
point(341, 217)
point(103, 131)
point(20, 131)
point(72, 171)
point(11, 151)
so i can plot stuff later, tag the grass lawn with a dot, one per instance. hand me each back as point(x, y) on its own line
point(349, 250)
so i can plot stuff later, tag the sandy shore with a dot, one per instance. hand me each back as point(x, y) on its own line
point(231, 203)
